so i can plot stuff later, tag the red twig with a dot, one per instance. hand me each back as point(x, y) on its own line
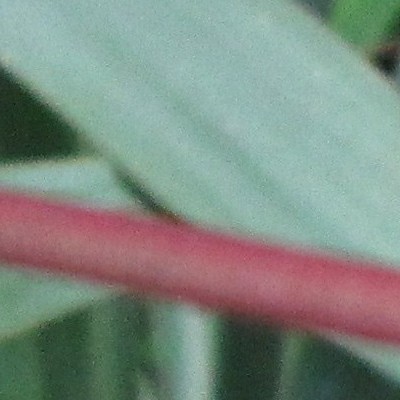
point(293, 287)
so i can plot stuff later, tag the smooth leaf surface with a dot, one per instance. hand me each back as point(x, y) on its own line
point(244, 114)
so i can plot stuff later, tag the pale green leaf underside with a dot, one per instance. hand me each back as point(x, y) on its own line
point(243, 114)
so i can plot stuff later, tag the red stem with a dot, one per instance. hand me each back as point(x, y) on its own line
point(298, 288)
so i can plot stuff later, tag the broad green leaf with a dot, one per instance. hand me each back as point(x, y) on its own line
point(247, 115)
point(365, 23)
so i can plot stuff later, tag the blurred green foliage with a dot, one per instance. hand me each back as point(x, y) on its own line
point(366, 23)
point(105, 350)
point(29, 129)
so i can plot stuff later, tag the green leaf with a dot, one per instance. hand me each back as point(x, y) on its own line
point(365, 23)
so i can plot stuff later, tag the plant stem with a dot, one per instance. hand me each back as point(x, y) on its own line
point(294, 287)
